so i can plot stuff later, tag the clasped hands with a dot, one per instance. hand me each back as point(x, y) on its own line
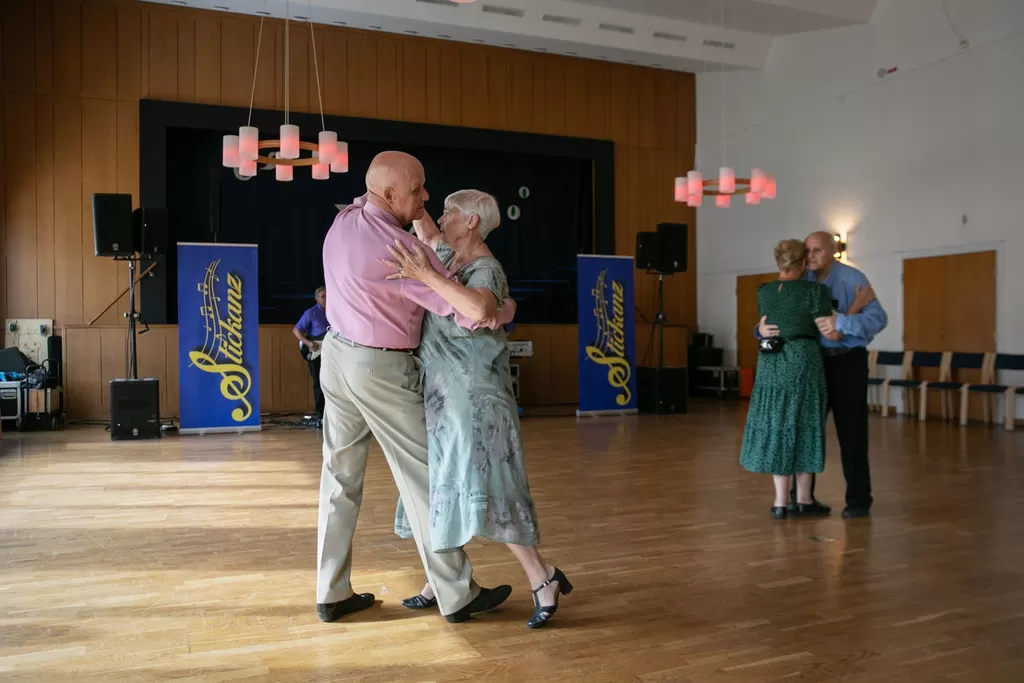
point(826, 324)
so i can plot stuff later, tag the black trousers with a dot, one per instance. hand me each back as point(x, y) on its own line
point(318, 394)
point(846, 376)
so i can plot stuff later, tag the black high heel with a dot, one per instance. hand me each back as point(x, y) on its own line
point(543, 613)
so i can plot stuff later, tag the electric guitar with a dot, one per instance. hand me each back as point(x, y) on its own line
point(308, 354)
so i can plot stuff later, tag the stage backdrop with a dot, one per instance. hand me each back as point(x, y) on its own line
point(607, 344)
point(218, 337)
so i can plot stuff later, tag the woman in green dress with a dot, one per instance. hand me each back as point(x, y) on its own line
point(478, 484)
point(785, 431)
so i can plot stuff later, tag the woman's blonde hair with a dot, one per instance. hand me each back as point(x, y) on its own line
point(790, 254)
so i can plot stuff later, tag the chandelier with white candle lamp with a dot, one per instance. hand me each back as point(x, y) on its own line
point(242, 151)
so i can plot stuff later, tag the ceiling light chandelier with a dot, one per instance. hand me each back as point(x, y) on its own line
point(692, 187)
point(242, 151)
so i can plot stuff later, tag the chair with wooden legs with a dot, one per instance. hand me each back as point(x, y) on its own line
point(989, 388)
point(949, 383)
point(921, 359)
point(906, 358)
point(879, 360)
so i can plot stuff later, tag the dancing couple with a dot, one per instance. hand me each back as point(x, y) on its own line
point(385, 367)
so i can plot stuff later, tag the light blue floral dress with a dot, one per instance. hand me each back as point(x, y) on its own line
point(478, 484)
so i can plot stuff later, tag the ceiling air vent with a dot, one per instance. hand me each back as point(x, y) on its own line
point(568, 21)
point(616, 28)
point(443, 3)
point(507, 11)
point(718, 43)
point(670, 36)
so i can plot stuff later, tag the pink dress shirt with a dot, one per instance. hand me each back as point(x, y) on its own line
point(362, 305)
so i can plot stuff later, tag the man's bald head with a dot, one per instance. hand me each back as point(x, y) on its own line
point(820, 249)
point(395, 181)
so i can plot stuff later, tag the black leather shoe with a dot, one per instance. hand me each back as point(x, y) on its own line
point(419, 602)
point(543, 613)
point(794, 507)
point(488, 599)
point(779, 512)
point(853, 512)
point(813, 509)
point(332, 611)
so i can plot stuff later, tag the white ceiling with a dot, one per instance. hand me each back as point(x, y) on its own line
point(681, 35)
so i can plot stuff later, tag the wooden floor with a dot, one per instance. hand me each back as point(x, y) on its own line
point(193, 559)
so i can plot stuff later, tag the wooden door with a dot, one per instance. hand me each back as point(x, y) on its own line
point(949, 304)
point(747, 316)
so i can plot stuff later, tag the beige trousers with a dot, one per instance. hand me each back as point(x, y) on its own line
point(372, 391)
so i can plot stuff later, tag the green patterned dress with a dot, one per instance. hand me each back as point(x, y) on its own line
point(785, 430)
point(478, 484)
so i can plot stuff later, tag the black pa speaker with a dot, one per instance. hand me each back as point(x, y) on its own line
point(674, 242)
point(648, 251)
point(150, 231)
point(662, 391)
point(134, 409)
point(112, 224)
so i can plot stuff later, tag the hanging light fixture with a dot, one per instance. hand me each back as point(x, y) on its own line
point(692, 187)
point(242, 151)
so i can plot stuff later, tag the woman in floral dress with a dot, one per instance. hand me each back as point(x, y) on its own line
point(478, 483)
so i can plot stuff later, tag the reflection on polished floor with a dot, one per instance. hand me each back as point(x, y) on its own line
point(193, 559)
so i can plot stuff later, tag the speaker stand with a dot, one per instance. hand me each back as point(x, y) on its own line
point(133, 317)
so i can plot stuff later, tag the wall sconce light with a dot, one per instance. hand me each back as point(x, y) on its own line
point(839, 251)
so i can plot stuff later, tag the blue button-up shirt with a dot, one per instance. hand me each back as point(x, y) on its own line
point(313, 322)
point(858, 330)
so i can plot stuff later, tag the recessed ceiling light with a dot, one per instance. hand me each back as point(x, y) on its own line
point(375, 28)
point(412, 33)
point(339, 23)
point(477, 40)
point(508, 44)
point(179, 2)
point(444, 35)
point(261, 13)
point(221, 7)
point(297, 18)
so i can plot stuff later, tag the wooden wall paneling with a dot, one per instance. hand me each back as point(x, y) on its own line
point(46, 275)
point(433, 76)
point(144, 86)
point(67, 209)
point(169, 380)
point(333, 54)
point(389, 78)
point(600, 101)
point(186, 59)
point(686, 120)
point(20, 246)
point(268, 377)
point(82, 373)
point(18, 46)
point(475, 73)
point(645, 121)
point(362, 75)
point(497, 89)
point(747, 316)
point(113, 362)
point(551, 72)
point(99, 50)
point(665, 124)
point(163, 54)
point(316, 69)
point(451, 85)
point(99, 164)
point(3, 205)
point(413, 65)
point(44, 46)
point(129, 52)
point(237, 61)
point(299, 68)
point(294, 386)
point(520, 92)
point(618, 104)
point(577, 99)
point(266, 48)
point(208, 59)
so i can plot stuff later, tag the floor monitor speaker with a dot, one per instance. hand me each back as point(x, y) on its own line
point(662, 390)
point(134, 409)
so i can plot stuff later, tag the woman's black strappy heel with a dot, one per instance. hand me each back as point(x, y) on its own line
point(542, 614)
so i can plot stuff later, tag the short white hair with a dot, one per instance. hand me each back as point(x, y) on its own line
point(476, 203)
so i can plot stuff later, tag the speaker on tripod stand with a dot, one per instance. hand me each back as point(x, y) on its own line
point(118, 233)
point(662, 389)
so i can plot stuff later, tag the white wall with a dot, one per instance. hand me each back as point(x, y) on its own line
point(895, 162)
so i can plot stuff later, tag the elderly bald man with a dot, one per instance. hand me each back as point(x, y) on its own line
point(371, 384)
point(844, 341)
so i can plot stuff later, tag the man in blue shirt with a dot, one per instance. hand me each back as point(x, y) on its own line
point(310, 330)
point(844, 341)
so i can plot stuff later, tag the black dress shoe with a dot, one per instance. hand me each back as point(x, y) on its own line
point(794, 507)
point(853, 512)
point(488, 599)
point(779, 512)
point(332, 611)
point(543, 613)
point(419, 602)
point(813, 509)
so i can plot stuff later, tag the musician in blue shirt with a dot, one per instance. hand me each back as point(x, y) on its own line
point(310, 331)
point(844, 341)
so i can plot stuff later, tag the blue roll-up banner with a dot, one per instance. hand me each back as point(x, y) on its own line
point(218, 338)
point(607, 339)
